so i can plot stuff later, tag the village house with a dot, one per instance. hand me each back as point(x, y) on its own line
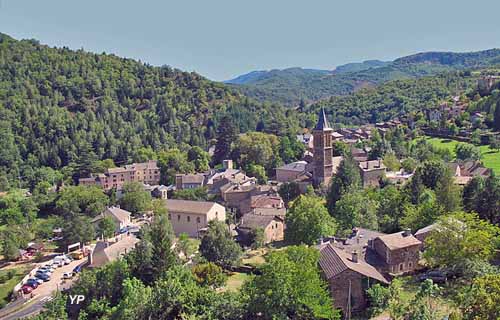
point(371, 172)
point(192, 217)
point(147, 172)
point(120, 217)
point(291, 171)
point(399, 251)
point(358, 154)
point(105, 252)
point(348, 277)
point(189, 181)
point(272, 226)
point(365, 257)
point(467, 170)
point(268, 200)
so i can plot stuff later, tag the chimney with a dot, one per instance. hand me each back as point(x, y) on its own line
point(406, 232)
point(227, 164)
point(355, 256)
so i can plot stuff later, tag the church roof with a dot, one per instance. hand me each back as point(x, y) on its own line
point(322, 121)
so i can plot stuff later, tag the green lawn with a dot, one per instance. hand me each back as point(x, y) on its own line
point(7, 286)
point(235, 281)
point(255, 257)
point(490, 157)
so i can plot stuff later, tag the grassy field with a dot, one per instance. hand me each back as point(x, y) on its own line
point(235, 281)
point(255, 257)
point(490, 157)
point(7, 286)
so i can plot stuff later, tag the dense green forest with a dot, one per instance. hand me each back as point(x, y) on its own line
point(60, 107)
point(291, 86)
point(394, 98)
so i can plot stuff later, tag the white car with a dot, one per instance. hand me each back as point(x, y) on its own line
point(67, 275)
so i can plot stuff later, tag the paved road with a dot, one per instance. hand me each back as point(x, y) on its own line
point(42, 294)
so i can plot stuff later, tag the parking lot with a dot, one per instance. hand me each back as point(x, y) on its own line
point(56, 282)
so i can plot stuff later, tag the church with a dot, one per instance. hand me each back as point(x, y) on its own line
point(323, 166)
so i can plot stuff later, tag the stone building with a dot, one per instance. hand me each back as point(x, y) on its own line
point(273, 227)
point(291, 171)
point(371, 172)
point(399, 251)
point(189, 181)
point(348, 277)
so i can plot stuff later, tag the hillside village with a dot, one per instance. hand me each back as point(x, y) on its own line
point(264, 217)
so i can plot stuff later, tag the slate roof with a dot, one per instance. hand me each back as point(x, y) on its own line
point(120, 214)
point(322, 124)
point(333, 261)
point(397, 240)
point(192, 178)
point(298, 166)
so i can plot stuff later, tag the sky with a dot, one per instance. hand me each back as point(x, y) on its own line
point(221, 39)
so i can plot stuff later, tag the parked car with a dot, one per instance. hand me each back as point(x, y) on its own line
point(67, 275)
point(436, 276)
point(77, 269)
point(57, 263)
point(44, 271)
point(43, 276)
point(27, 289)
point(32, 284)
point(31, 280)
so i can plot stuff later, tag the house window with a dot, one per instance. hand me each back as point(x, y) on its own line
point(178, 217)
point(401, 267)
point(188, 219)
point(198, 220)
point(169, 216)
point(410, 264)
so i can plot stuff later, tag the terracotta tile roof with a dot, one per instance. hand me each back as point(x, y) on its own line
point(399, 240)
point(333, 261)
point(266, 201)
point(187, 206)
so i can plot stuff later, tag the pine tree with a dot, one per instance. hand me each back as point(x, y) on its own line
point(496, 117)
point(226, 134)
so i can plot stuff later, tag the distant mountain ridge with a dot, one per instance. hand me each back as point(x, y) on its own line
point(360, 66)
point(293, 85)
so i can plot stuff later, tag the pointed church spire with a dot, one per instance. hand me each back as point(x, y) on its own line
point(322, 121)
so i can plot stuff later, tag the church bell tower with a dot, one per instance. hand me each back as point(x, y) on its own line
point(323, 152)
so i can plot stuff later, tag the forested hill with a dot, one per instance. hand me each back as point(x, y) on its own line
point(394, 98)
point(292, 88)
point(57, 105)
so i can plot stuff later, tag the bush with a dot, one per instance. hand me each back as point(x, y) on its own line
point(378, 297)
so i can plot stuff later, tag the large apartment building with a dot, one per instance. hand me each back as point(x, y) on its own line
point(146, 172)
